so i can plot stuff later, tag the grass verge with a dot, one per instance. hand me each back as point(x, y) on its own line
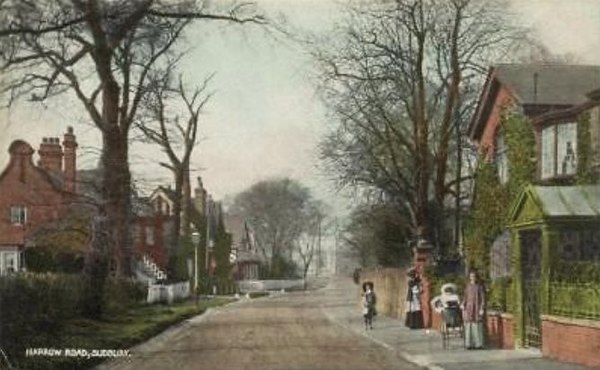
point(118, 332)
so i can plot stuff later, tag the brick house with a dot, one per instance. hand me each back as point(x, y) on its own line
point(548, 94)
point(35, 198)
point(555, 99)
point(33, 195)
point(151, 233)
point(244, 253)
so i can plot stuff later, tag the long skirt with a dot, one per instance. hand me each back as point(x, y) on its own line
point(474, 334)
point(414, 319)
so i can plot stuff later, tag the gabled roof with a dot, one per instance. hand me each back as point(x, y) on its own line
point(557, 84)
point(553, 85)
point(565, 202)
point(167, 191)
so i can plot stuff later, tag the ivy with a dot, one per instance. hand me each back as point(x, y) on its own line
point(585, 174)
point(520, 140)
point(491, 199)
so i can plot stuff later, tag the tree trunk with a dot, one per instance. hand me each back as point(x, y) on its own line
point(175, 237)
point(186, 199)
point(116, 194)
point(116, 180)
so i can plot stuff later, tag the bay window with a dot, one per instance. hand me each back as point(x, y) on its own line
point(559, 150)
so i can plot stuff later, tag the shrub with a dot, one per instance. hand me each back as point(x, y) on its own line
point(34, 308)
point(123, 294)
point(45, 259)
point(499, 296)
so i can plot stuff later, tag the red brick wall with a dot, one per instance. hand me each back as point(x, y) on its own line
point(571, 340)
point(23, 184)
point(158, 250)
point(500, 331)
point(488, 137)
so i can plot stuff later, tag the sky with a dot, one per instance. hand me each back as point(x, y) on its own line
point(265, 118)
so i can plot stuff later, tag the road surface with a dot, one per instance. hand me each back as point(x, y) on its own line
point(287, 332)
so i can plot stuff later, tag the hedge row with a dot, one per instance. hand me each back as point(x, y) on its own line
point(575, 300)
point(35, 308)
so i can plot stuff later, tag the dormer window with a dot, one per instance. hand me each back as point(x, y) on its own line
point(18, 215)
point(559, 151)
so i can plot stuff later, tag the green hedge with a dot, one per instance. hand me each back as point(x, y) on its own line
point(35, 307)
point(123, 294)
point(500, 296)
point(575, 300)
point(578, 272)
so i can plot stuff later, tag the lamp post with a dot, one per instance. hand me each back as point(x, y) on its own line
point(196, 242)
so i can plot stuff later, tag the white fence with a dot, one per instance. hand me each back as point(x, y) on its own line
point(247, 286)
point(168, 293)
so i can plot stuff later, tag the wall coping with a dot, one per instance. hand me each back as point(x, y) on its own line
point(571, 321)
point(504, 315)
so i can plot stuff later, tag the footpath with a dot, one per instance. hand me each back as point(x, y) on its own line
point(424, 347)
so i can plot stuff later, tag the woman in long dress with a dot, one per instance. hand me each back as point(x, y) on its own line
point(414, 315)
point(473, 312)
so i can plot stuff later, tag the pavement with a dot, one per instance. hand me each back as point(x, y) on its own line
point(424, 347)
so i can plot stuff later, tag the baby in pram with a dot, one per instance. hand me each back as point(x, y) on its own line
point(448, 305)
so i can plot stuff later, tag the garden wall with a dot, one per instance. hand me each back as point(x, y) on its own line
point(390, 288)
point(571, 340)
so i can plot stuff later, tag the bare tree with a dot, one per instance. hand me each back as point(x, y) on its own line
point(308, 241)
point(102, 52)
point(163, 125)
point(398, 82)
point(279, 211)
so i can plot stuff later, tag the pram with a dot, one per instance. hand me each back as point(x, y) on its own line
point(448, 306)
point(452, 323)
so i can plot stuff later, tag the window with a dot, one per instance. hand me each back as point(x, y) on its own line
point(18, 215)
point(149, 231)
point(501, 158)
point(559, 148)
point(9, 262)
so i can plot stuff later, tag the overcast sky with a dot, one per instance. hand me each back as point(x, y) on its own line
point(265, 119)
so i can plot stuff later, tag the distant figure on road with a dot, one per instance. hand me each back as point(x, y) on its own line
point(414, 315)
point(368, 303)
point(473, 312)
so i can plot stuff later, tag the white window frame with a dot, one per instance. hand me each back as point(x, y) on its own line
point(5, 257)
point(18, 215)
point(501, 159)
point(555, 139)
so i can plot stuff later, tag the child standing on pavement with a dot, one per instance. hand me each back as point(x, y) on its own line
point(369, 300)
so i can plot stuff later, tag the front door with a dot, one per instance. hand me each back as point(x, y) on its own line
point(531, 267)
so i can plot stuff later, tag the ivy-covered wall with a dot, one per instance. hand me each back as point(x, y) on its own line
point(491, 199)
point(585, 172)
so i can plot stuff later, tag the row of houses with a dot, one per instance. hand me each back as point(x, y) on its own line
point(36, 199)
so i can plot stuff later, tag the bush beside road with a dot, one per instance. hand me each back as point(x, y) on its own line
point(119, 333)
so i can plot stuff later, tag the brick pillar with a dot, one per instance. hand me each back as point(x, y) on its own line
point(423, 257)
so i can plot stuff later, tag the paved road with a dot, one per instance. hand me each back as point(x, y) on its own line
point(289, 331)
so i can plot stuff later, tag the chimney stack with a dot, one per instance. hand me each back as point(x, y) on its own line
point(70, 172)
point(51, 155)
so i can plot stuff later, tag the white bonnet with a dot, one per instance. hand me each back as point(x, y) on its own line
point(449, 287)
